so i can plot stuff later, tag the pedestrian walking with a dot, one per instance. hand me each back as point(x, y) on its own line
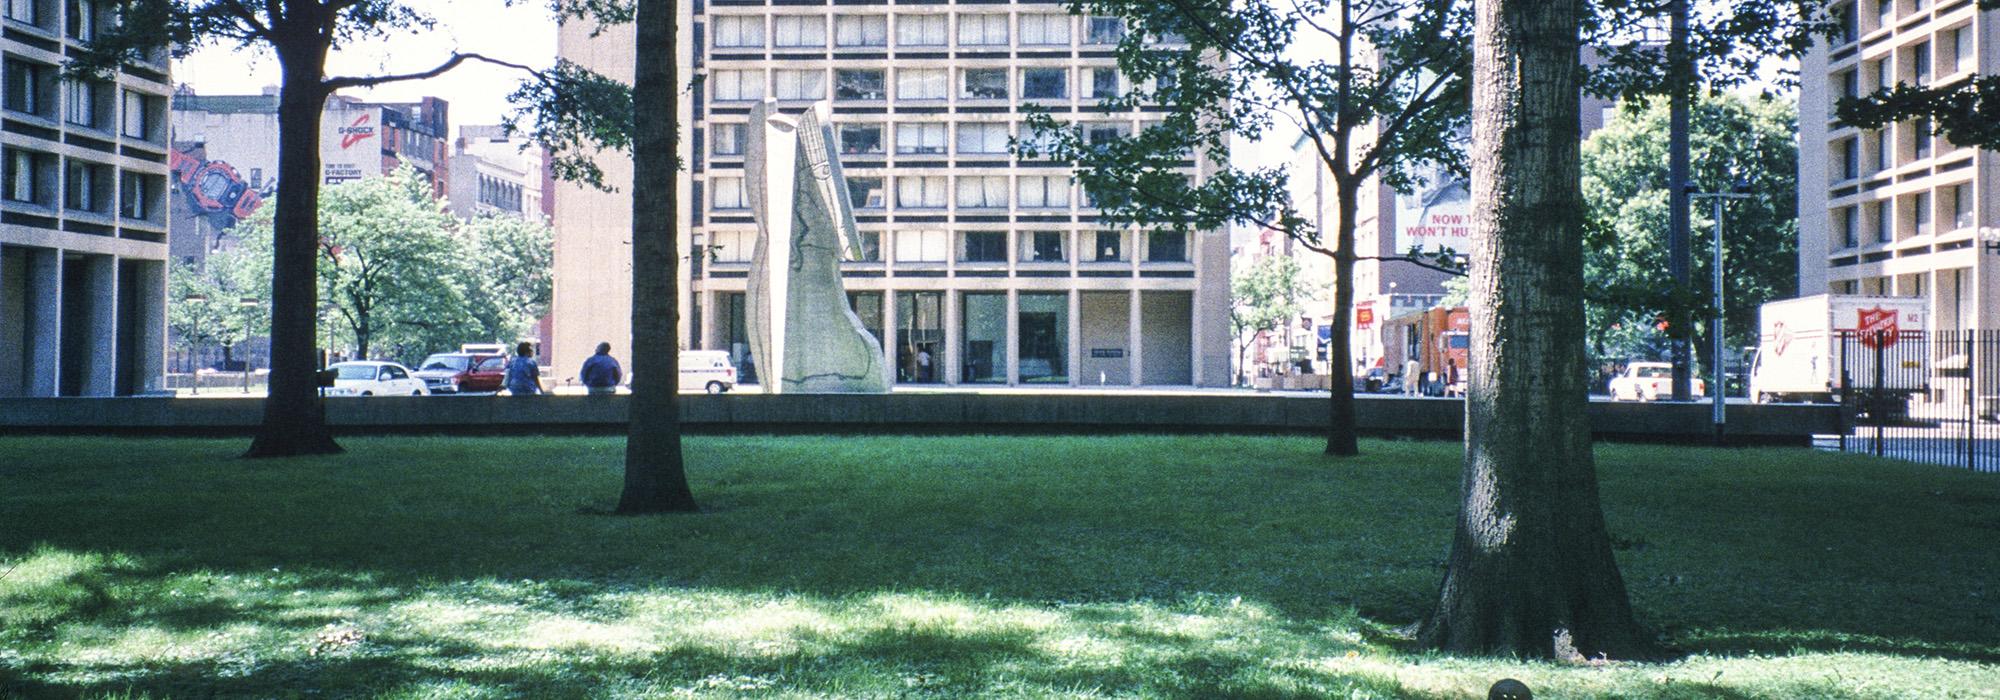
point(601, 372)
point(524, 376)
point(1412, 377)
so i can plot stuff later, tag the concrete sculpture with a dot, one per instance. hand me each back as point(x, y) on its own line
point(802, 332)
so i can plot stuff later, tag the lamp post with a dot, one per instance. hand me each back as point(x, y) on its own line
point(1718, 389)
point(246, 305)
point(194, 329)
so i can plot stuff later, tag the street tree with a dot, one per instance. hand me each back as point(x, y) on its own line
point(510, 285)
point(1734, 140)
point(218, 302)
point(301, 33)
point(1531, 571)
point(1377, 88)
point(1263, 297)
point(392, 269)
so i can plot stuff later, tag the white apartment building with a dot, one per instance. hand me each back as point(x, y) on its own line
point(978, 268)
point(83, 226)
point(1897, 211)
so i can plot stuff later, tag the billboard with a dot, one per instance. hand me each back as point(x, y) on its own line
point(1436, 213)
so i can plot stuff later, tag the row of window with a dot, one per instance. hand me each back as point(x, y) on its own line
point(1883, 149)
point(1890, 220)
point(32, 88)
point(731, 246)
point(931, 192)
point(1948, 52)
point(31, 177)
point(919, 138)
point(797, 31)
point(81, 18)
point(872, 84)
point(500, 194)
point(1853, 23)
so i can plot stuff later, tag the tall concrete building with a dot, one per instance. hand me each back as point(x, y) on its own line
point(83, 225)
point(979, 268)
point(1898, 211)
point(497, 174)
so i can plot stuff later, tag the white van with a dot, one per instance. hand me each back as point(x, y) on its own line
point(703, 370)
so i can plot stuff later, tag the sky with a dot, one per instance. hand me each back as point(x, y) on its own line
point(523, 33)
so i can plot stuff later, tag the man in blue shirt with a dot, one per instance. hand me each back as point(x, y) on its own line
point(600, 372)
point(524, 376)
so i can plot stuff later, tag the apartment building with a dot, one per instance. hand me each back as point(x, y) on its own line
point(83, 227)
point(1898, 211)
point(497, 174)
point(977, 267)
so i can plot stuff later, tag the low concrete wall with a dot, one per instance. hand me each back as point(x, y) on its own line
point(901, 413)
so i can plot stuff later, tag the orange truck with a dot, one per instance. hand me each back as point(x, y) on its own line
point(1439, 338)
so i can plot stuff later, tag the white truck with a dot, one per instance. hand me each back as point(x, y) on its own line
point(1813, 348)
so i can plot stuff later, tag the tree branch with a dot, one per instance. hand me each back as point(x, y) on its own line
point(337, 83)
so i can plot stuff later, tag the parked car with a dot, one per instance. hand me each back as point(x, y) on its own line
point(374, 379)
point(1649, 381)
point(462, 372)
point(703, 370)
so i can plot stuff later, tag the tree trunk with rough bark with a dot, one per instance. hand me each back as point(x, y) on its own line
point(1340, 437)
point(655, 471)
point(294, 421)
point(1531, 571)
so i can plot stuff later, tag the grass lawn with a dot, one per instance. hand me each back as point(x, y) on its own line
point(1183, 567)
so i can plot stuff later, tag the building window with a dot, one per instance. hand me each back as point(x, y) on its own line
point(1044, 83)
point(1044, 192)
point(920, 30)
point(32, 12)
point(1042, 246)
point(739, 32)
point(1104, 30)
point(1044, 29)
point(1042, 325)
point(983, 246)
point(737, 85)
point(799, 84)
point(985, 333)
point(728, 193)
point(1844, 221)
point(860, 30)
point(861, 139)
point(1850, 22)
point(1962, 58)
point(865, 192)
point(1885, 13)
point(920, 246)
point(858, 84)
point(984, 84)
point(920, 192)
point(919, 336)
point(1961, 206)
point(1920, 131)
point(982, 192)
point(1104, 83)
point(1920, 63)
point(1850, 159)
point(1166, 246)
point(30, 88)
point(867, 247)
point(982, 138)
point(30, 177)
point(920, 84)
point(142, 116)
point(137, 193)
point(90, 104)
point(982, 30)
point(728, 138)
point(1109, 247)
point(87, 187)
point(1920, 212)
point(798, 31)
point(1880, 143)
point(1880, 70)
point(1105, 132)
point(1884, 230)
point(920, 139)
point(731, 246)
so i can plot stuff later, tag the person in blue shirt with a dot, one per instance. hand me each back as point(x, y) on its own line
point(524, 376)
point(601, 372)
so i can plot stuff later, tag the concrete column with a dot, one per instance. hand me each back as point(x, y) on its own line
point(1134, 340)
point(890, 326)
point(150, 285)
point(954, 337)
point(100, 286)
point(1013, 339)
point(1075, 335)
point(44, 322)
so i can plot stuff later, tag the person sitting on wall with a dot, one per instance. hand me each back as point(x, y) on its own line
point(524, 376)
point(601, 372)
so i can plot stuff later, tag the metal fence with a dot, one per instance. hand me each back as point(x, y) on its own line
point(1923, 397)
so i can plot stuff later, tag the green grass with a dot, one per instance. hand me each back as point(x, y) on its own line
point(1186, 567)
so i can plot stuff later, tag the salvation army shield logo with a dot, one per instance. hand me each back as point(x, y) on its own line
point(1877, 327)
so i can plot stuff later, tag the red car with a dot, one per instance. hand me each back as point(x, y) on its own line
point(463, 372)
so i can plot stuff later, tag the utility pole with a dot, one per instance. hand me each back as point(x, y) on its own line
point(1680, 83)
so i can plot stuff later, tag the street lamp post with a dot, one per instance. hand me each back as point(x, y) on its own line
point(247, 305)
point(1718, 390)
point(194, 329)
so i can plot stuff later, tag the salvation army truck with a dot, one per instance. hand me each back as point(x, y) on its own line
point(1812, 348)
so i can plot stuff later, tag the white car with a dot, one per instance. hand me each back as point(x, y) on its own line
point(374, 379)
point(1650, 381)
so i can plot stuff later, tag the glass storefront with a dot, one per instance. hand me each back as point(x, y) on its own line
point(919, 337)
point(736, 336)
point(985, 334)
point(868, 307)
point(1044, 328)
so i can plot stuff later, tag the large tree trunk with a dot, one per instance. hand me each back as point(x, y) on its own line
point(655, 473)
point(294, 422)
point(1531, 571)
point(1340, 439)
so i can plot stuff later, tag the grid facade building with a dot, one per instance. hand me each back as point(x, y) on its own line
point(976, 267)
point(1898, 210)
point(83, 221)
